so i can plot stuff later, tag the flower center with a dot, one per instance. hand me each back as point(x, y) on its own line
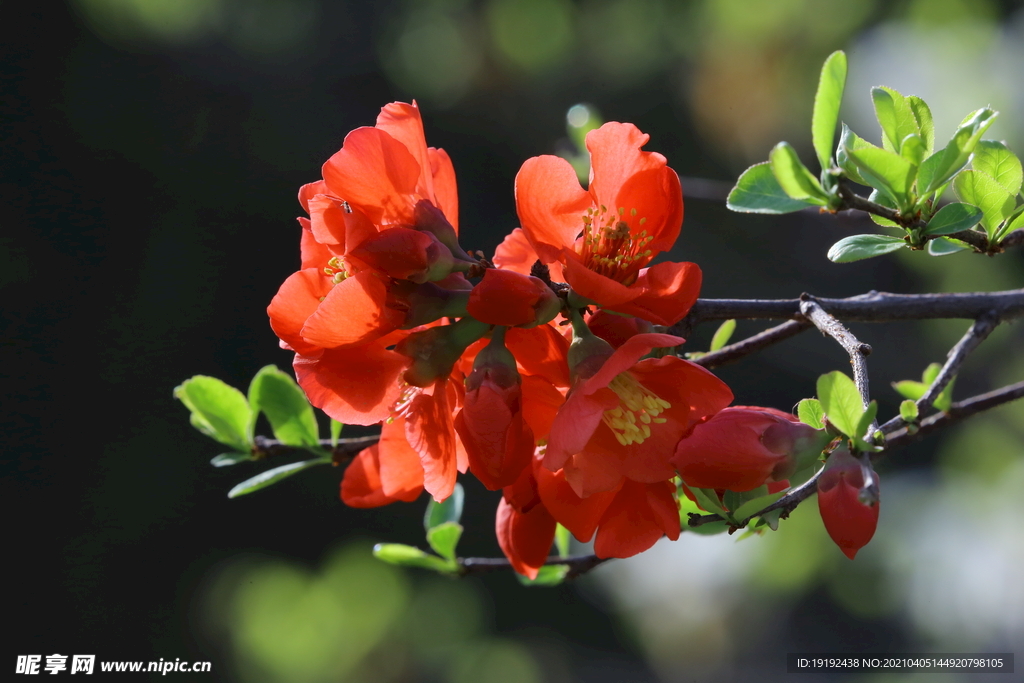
point(401, 406)
point(608, 247)
point(336, 269)
point(638, 408)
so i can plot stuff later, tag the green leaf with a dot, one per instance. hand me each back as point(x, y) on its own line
point(755, 505)
point(850, 140)
point(912, 149)
point(811, 413)
point(908, 411)
point(883, 199)
point(864, 424)
point(757, 191)
point(858, 247)
point(943, 246)
point(1014, 224)
point(827, 99)
point(443, 538)
point(549, 575)
point(794, 178)
point(562, 540)
point(335, 432)
point(265, 479)
point(909, 389)
point(408, 556)
point(708, 499)
point(450, 510)
point(924, 121)
point(894, 116)
point(996, 159)
point(772, 519)
point(930, 373)
point(841, 400)
point(226, 459)
point(981, 190)
point(937, 169)
point(885, 171)
point(218, 410)
point(953, 218)
point(276, 395)
point(723, 334)
point(687, 506)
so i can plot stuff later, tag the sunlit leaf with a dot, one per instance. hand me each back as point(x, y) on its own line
point(841, 400)
point(981, 190)
point(335, 432)
point(408, 556)
point(548, 575)
point(217, 410)
point(995, 159)
point(909, 389)
point(923, 114)
point(908, 411)
point(912, 149)
point(444, 537)
point(755, 505)
point(936, 170)
point(794, 178)
point(953, 218)
point(826, 106)
point(449, 510)
point(562, 540)
point(757, 191)
point(858, 247)
point(885, 171)
point(811, 413)
point(883, 199)
point(276, 395)
point(723, 334)
point(864, 424)
point(851, 141)
point(226, 459)
point(943, 246)
point(265, 479)
point(894, 116)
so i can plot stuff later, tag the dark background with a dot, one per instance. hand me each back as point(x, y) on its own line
point(148, 217)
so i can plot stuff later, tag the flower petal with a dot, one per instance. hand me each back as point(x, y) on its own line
point(401, 471)
point(579, 515)
point(525, 537)
point(446, 193)
point(431, 432)
point(551, 204)
point(635, 520)
point(667, 292)
point(354, 312)
point(355, 384)
point(361, 485)
point(297, 300)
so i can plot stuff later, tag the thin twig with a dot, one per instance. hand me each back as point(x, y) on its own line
point(856, 349)
point(787, 504)
point(958, 411)
point(872, 307)
point(346, 449)
point(752, 344)
point(577, 565)
point(1014, 239)
point(977, 333)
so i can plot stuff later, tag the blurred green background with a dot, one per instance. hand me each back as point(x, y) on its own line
point(151, 152)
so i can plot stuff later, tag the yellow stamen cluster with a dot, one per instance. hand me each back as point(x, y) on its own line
point(609, 247)
point(638, 409)
point(336, 270)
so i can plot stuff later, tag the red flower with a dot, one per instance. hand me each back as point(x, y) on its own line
point(848, 508)
point(623, 418)
point(605, 236)
point(385, 472)
point(742, 448)
point(505, 297)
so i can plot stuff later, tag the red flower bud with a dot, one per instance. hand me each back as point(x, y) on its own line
point(505, 297)
point(498, 441)
point(848, 504)
point(741, 448)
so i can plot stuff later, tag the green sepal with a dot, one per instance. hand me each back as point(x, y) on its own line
point(859, 247)
point(226, 459)
point(953, 218)
point(757, 191)
point(548, 575)
point(811, 413)
point(265, 479)
point(443, 538)
point(722, 335)
point(793, 177)
point(841, 401)
point(827, 100)
point(449, 510)
point(291, 417)
point(335, 432)
point(217, 410)
point(408, 556)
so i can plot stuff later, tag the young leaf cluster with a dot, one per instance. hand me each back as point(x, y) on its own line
point(906, 174)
